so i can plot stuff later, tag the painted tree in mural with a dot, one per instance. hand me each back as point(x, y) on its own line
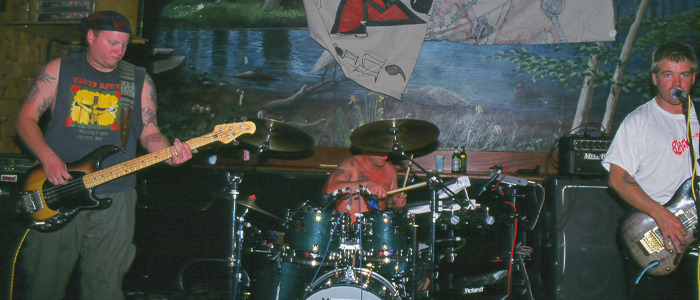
point(571, 71)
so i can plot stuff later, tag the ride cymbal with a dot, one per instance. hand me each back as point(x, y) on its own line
point(277, 136)
point(380, 136)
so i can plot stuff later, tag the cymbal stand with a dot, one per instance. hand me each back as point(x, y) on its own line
point(266, 143)
point(435, 183)
point(234, 261)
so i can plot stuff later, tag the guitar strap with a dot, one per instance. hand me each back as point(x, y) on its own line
point(689, 138)
point(128, 92)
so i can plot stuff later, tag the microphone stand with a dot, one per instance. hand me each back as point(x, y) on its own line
point(434, 181)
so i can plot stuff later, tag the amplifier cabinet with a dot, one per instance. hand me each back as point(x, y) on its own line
point(581, 259)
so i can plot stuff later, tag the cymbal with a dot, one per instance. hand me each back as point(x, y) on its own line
point(379, 136)
point(283, 137)
point(255, 207)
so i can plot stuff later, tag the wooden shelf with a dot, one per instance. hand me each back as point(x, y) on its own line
point(65, 31)
point(324, 160)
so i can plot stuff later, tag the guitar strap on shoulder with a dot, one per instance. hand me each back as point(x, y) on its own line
point(128, 93)
point(689, 137)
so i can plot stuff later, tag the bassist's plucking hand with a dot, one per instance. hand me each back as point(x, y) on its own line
point(671, 228)
point(55, 170)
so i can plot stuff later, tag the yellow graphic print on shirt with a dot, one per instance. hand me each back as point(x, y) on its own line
point(92, 108)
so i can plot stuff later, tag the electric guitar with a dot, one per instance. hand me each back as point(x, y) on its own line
point(643, 239)
point(50, 207)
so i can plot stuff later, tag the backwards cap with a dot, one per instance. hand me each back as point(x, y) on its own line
point(106, 20)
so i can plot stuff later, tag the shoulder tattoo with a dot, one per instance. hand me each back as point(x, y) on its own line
point(33, 94)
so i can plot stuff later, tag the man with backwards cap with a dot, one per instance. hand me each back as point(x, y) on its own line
point(85, 96)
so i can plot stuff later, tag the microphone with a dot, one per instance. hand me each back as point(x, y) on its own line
point(331, 198)
point(369, 198)
point(678, 94)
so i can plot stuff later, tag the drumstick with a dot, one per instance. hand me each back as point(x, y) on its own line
point(410, 187)
point(408, 170)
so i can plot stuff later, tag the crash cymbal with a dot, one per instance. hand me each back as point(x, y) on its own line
point(379, 136)
point(282, 137)
point(255, 207)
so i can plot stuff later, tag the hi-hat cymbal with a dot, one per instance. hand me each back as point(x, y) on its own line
point(255, 207)
point(379, 136)
point(282, 137)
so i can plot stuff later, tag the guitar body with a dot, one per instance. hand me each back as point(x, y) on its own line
point(56, 205)
point(643, 241)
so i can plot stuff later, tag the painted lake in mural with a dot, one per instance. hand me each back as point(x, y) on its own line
point(473, 98)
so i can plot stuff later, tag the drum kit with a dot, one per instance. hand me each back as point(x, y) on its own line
point(394, 254)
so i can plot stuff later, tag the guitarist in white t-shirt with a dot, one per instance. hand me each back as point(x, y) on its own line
point(649, 160)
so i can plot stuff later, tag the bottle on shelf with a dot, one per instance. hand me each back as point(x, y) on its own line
point(463, 160)
point(456, 161)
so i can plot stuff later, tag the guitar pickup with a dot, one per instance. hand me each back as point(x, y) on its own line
point(31, 202)
point(650, 242)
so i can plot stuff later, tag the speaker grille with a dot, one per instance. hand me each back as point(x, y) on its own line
point(580, 243)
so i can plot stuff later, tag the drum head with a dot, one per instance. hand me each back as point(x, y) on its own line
point(343, 292)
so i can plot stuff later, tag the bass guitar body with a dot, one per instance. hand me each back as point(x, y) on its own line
point(50, 206)
point(643, 240)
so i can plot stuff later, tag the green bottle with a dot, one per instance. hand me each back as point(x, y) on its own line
point(456, 161)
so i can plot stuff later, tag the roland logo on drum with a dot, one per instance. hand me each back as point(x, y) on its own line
point(593, 156)
point(474, 290)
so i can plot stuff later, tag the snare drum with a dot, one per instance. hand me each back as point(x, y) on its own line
point(345, 284)
point(309, 234)
point(385, 237)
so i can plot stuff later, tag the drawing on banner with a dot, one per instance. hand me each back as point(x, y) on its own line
point(353, 16)
point(520, 21)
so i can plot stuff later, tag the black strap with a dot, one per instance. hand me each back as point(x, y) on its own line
point(128, 93)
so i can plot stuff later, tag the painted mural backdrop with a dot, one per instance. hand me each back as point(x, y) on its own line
point(487, 98)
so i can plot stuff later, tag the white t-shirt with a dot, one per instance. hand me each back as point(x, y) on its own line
point(651, 145)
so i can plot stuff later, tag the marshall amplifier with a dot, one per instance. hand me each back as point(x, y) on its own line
point(583, 155)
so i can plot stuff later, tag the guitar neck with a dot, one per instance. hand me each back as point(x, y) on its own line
point(105, 175)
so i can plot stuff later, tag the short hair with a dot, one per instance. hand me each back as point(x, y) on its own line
point(675, 52)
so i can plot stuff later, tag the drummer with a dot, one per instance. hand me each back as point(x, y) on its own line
point(373, 172)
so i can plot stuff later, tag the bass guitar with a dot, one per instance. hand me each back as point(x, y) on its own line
point(50, 207)
point(644, 241)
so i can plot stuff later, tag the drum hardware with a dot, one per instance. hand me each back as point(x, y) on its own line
point(294, 213)
point(233, 261)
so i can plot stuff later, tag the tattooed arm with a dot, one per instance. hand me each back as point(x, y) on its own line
point(41, 97)
point(625, 185)
point(151, 137)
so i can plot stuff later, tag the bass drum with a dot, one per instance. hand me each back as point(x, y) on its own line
point(345, 284)
point(280, 280)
